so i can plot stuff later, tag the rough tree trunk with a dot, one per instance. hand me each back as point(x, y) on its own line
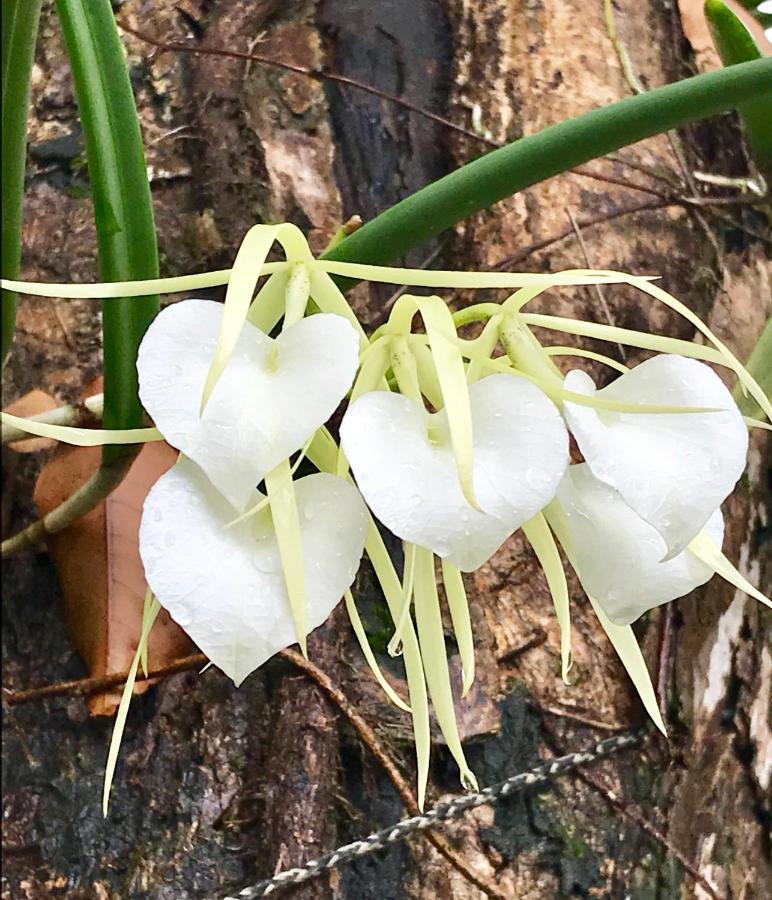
point(219, 786)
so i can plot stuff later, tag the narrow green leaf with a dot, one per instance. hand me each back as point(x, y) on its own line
point(532, 159)
point(735, 44)
point(122, 203)
point(19, 33)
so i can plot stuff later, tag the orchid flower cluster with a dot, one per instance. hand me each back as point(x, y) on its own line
point(451, 443)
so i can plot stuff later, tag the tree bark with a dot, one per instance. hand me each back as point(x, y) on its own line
point(218, 787)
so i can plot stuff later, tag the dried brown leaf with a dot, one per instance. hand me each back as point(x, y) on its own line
point(103, 583)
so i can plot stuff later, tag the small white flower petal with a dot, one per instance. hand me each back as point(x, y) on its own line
point(673, 469)
point(402, 458)
point(270, 399)
point(618, 554)
point(225, 586)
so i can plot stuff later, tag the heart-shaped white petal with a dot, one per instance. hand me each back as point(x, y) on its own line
point(403, 461)
point(618, 555)
point(225, 586)
point(270, 399)
point(673, 469)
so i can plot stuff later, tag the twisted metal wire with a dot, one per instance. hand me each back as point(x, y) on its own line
point(441, 813)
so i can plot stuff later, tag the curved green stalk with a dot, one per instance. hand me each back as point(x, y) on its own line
point(529, 160)
point(736, 45)
point(122, 203)
point(19, 31)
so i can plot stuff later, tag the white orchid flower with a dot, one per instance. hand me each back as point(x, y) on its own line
point(673, 470)
point(642, 513)
point(272, 396)
point(619, 555)
point(246, 574)
point(403, 460)
point(225, 585)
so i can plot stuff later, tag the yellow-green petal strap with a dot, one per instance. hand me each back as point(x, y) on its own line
point(83, 437)
point(433, 653)
point(458, 605)
point(286, 522)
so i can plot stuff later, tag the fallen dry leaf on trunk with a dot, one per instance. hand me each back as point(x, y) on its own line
point(103, 583)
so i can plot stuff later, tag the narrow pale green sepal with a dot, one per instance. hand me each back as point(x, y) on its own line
point(123, 707)
point(622, 637)
point(449, 364)
point(433, 653)
point(458, 605)
point(286, 523)
point(268, 306)
point(82, 437)
point(364, 644)
point(408, 580)
point(411, 654)
point(247, 268)
point(540, 537)
point(329, 298)
point(709, 553)
point(623, 640)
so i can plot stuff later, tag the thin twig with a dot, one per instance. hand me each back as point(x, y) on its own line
point(85, 686)
point(630, 812)
point(598, 290)
point(316, 74)
point(621, 182)
point(579, 718)
point(322, 74)
point(516, 258)
point(101, 483)
point(633, 814)
point(370, 739)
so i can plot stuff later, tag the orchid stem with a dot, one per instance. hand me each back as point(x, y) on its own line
point(535, 158)
point(96, 489)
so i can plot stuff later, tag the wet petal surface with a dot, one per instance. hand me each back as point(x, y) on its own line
point(270, 399)
point(403, 461)
point(225, 586)
point(673, 469)
point(618, 554)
